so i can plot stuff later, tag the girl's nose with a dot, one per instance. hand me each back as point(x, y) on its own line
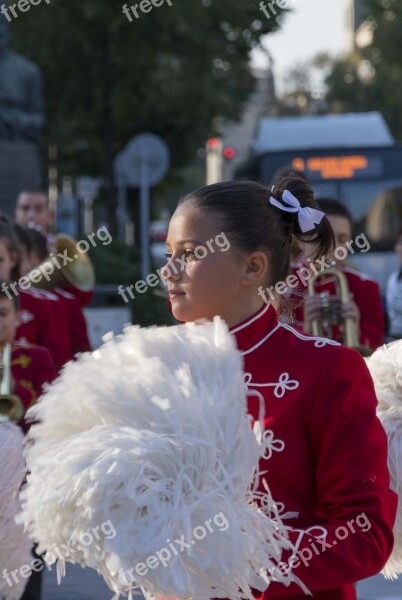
point(170, 271)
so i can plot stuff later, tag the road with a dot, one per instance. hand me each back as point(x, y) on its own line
point(85, 584)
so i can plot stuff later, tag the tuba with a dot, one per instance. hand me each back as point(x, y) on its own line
point(78, 272)
point(331, 312)
point(11, 407)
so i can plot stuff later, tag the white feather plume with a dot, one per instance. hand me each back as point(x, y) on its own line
point(386, 370)
point(15, 546)
point(150, 434)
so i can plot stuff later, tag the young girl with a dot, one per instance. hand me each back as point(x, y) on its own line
point(325, 449)
point(42, 321)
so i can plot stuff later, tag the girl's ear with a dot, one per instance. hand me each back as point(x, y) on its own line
point(256, 268)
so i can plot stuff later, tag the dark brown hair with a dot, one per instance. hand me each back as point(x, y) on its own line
point(7, 235)
point(241, 209)
point(335, 208)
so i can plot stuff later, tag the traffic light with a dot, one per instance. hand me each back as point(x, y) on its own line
point(229, 153)
point(214, 160)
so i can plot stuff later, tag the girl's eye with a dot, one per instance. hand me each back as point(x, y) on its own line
point(168, 256)
point(189, 255)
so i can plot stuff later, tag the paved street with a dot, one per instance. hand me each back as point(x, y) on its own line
point(85, 584)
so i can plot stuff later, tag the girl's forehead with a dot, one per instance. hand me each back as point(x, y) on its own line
point(188, 221)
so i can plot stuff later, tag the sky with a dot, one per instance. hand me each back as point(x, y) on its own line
point(312, 27)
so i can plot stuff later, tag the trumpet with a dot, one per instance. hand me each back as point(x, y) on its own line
point(331, 312)
point(78, 271)
point(11, 407)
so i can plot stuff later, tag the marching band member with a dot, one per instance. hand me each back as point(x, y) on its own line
point(31, 366)
point(73, 317)
point(365, 305)
point(31, 369)
point(33, 211)
point(327, 464)
point(40, 317)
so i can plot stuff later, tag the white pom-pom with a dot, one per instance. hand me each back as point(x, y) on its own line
point(147, 442)
point(386, 370)
point(15, 546)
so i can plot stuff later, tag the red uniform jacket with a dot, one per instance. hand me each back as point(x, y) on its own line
point(31, 368)
point(366, 293)
point(83, 298)
point(76, 321)
point(327, 455)
point(45, 322)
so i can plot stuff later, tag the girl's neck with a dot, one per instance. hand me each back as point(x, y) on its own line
point(241, 313)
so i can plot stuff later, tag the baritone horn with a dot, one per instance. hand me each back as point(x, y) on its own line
point(331, 312)
point(78, 271)
point(11, 407)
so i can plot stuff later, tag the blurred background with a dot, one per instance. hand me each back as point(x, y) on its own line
point(116, 118)
point(232, 89)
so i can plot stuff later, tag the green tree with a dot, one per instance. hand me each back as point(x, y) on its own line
point(174, 71)
point(370, 79)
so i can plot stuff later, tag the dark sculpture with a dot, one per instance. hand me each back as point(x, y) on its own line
point(21, 97)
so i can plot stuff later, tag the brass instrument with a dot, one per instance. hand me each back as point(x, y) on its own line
point(78, 271)
point(331, 312)
point(11, 406)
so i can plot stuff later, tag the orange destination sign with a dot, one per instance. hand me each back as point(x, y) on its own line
point(332, 167)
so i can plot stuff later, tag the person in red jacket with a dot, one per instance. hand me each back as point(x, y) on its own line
point(365, 305)
point(34, 246)
point(325, 457)
point(31, 366)
point(42, 321)
point(32, 211)
point(31, 369)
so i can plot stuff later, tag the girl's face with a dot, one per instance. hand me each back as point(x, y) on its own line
point(9, 321)
point(7, 261)
point(204, 277)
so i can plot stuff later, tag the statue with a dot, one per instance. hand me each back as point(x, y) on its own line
point(21, 97)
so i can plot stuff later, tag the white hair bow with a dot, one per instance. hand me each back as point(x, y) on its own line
point(307, 217)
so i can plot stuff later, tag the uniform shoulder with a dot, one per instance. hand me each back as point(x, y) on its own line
point(352, 274)
point(18, 346)
point(315, 351)
point(307, 339)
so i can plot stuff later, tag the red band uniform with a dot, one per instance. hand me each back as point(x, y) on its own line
point(317, 468)
point(44, 322)
point(31, 368)
point(366, 294)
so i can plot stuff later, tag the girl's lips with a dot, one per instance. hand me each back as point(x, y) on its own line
point(174, 293)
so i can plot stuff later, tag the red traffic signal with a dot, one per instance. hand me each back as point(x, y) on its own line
point(213, 143)
point(229, 153)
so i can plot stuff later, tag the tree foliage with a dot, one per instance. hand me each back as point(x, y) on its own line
point(174, 71)
point(371, 79)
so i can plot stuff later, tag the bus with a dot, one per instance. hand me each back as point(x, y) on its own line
point(365, 176)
